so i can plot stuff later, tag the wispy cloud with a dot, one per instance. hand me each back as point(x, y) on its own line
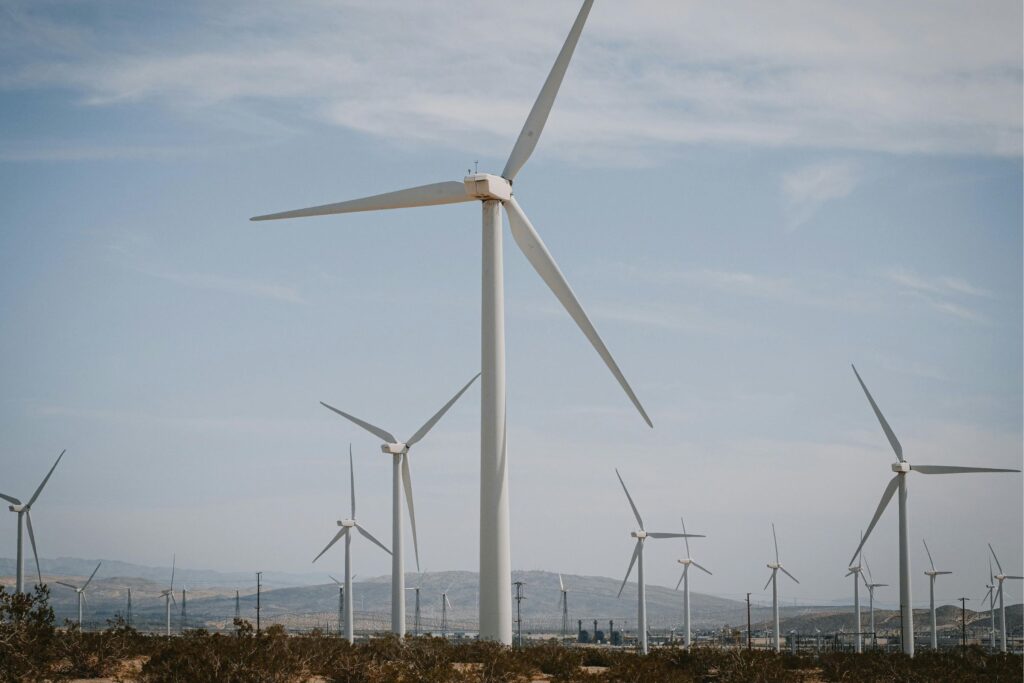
point(809, 188)
point(230, 285)
point(816, 74)
point(939, 292)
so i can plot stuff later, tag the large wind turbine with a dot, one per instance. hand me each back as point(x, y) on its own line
point(773, 580)
point(345, 525)
point(638, 559)
point(81, 591)
point(401, 478)
point(991, 596)
point(168, 595)
point(931, 592)
point(902, 468)
point(685, 580)
point(856, 572)
point(494, 192)
point(870, 584)
point(24, 510)
point(1000, 577)
point(563, 603)
point(416, 604)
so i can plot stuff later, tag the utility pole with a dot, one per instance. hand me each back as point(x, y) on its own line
point(238, 607)
point(595, 630)
point(963, 623)
point(611, 631)
point(749, 646)
point(259, 586)
point(519, 617)
point(129, 611)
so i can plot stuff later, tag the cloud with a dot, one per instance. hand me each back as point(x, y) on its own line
point(647, 76)
point(809, 188)
point(231, 285)
point(938, 292)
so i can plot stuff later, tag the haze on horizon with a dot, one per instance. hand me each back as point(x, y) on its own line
point(746, 200)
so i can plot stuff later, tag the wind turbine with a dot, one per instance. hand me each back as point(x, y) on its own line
point(446, 604)
point(855, 572)
point(416, 607)
point(1000, 577)
point(899, 481)
point(24, 510)
point(168, 595)
point(128, 610)
point(773, 580)
point(401, 478)
point(685, 580)
point(991, 595)
point(81, 592)
point(870, 584)
point(931, 592)
point(563, 602)
point(346, 525)
point(494, 192)
point(638, 559)
point(341, 600)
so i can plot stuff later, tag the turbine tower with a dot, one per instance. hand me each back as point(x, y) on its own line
point(168, 595)
point(563, 602)
point(991, 595)
point(401, 478)
point(416, 606)
point(638, 559)
point(24, 511)
point(856, 572)
point(346, 525)
point(494, 192)
point(445, 605)
point(899, 481)
point(1000, 577)
point(685, 580)
point(931, 592)
point(128, 610)
point(870, 584)
point(81, 592)
point(773, 580)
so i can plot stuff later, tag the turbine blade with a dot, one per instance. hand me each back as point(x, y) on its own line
point(174, 560)
point(946, 469)
point(893, 441)
point(867, 584)
point(407, 483)
point(943, 572)
point(667, 534)
point(449, 192)
point(429, 424)
point(534, 125)
point(1014, 577)
point(67, 584)
point(335, 580)
point(10, 499)
point(636, 513)
point(991, 574)
point(32, 539)
point(680, 581)
point(352, 480)
point(701, 568)
point(370, 537)
point(686, 539)
point(864, 558)
point(636, 553)
point(929, 554)
point(769, 581)
point(887, 495)
point(92, 575)
point(337, 537)
point(540, 258)
point(45, 479)
point(776, 541)
point(561, 584)
point(783, 570)
point(448, 602)
point(996, 558)
point(376, 431)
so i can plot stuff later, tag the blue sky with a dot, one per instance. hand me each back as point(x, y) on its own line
point(746, 200)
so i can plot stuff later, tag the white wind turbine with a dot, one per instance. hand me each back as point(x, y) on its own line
point(931, 592)
point(638, 559)
point(24, 511)
point(168, 595)
point(870, 584)
point(401, 478)
point(563, 602)
point(1000, 577)
point(773, 580)
point(494, 192)
point(856, 572)
point(899, 482)
point(346, 525)
point(416, 605)
point(991, 595)
point(341, 602)
point(446, 604)
point(81, 591)
point(685, 580)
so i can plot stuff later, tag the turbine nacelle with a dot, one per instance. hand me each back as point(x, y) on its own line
point(347, 523)
point(638, 534)
point(17, 508)
point(686, 563)
point(394, 448)
point(901, 467)
point(484, 186)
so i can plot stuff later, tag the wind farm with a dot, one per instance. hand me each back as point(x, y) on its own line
point(743, 219)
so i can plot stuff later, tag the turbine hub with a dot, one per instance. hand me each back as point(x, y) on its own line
point(901, 467)
point(394, 448)
point(347, 523)
point(485, 186)
point(639, 534)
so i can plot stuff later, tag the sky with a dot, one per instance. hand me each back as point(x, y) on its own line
point(746, 197)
